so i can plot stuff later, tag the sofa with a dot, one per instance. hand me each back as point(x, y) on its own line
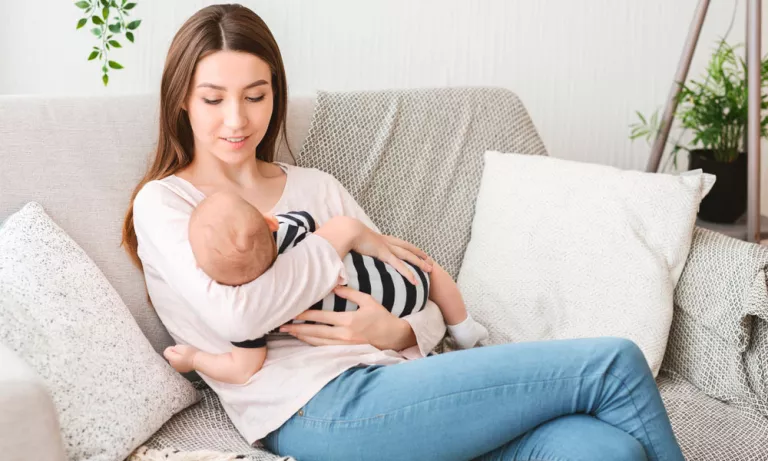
point(80, 157)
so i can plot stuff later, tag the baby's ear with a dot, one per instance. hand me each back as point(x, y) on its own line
point(272, 222)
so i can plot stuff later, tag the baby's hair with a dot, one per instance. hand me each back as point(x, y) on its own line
point(230, 239)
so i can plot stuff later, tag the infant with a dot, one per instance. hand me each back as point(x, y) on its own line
point(234, 243)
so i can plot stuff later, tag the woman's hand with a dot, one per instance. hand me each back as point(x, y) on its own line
point(371, 324)
point(392, 251)
point(410, 253)
point(345, 234)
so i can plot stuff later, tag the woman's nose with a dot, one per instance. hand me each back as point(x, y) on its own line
point(235, 116)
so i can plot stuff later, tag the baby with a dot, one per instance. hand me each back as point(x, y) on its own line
point(234, 243)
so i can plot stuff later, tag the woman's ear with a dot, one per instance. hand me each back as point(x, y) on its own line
point(272, 222)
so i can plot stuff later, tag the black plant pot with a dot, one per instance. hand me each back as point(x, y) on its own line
point(727, 201)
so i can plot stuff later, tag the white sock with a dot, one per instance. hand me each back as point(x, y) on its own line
point(468, 333)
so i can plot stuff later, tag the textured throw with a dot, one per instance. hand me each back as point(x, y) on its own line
point(413, 158)
point(206, 426)
point(718, 349)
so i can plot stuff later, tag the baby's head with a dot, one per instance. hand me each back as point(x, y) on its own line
point(231, 240)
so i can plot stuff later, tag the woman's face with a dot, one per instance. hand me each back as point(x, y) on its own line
point(230, 105)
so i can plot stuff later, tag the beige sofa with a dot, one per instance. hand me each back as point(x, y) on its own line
point(81, 157)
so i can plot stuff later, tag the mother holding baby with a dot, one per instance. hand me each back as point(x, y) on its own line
point(356, 384)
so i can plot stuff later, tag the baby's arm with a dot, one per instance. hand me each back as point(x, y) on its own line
point(233, 367)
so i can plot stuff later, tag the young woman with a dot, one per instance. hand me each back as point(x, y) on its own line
point(363, 387)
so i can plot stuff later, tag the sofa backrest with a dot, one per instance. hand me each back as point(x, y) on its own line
point(80, 158)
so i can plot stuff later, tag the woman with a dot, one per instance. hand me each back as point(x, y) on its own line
point(362, 388)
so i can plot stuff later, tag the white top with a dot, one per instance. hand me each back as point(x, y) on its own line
point(200, 312)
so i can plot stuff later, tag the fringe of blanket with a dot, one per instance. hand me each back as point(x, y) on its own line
point(170, 454)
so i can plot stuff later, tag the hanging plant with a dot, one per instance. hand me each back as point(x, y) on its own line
point(108, 30)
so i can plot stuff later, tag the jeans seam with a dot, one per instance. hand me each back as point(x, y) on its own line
point(637, 411)
point(309, 418)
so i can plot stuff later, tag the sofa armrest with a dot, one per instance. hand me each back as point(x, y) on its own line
point(721, 306)
point(29, 426)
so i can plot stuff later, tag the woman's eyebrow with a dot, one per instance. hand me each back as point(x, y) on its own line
point(217, 87)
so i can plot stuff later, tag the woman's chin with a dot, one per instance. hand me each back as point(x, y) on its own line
point(236, 156)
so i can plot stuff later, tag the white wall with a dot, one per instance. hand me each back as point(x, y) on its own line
point(582, 67)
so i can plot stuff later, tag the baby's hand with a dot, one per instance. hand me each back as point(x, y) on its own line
point(181, 357)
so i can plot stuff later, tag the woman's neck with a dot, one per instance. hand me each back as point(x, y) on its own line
point(210, 171)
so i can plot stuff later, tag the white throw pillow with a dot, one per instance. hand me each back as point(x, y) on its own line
point(564, 249)
point(59, 313)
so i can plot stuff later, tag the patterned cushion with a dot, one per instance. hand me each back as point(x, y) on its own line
point(59, 314)
point(413, 158)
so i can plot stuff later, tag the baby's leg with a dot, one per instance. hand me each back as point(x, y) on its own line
point(234, 367)
point(444, 292)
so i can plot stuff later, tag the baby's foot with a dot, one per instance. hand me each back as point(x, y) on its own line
point(181, 357)
point(467, 333)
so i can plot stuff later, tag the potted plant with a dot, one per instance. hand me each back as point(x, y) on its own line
point(715, 111)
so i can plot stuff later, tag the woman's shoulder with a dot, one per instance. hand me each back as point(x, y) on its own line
point(309, 175)
point(159, 194)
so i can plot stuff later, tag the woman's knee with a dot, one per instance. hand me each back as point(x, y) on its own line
point(629, 449)
point(624, 353)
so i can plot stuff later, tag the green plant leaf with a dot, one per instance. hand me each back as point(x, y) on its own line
point(129, 6)
point(82, 5)
point(115, 44)
point(93, 55)
point(105, 2)
point(129, 36)
point(97, 20)
point(115, 28)
point(115, 65)
point(105, 12)
point(81, 23)
point(105, 79)
point(96, 31)
point(133, 24)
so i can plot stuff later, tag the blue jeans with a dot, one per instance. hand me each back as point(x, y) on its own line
point(582, 399)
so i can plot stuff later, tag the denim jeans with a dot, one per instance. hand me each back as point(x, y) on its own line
point(580, 399)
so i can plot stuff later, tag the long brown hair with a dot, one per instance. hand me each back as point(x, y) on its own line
point(214, 28)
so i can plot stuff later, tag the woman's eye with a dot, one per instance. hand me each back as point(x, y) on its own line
point(255, 99)
point(212, 101)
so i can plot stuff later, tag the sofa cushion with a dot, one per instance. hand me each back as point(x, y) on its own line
point(563, 249)
point(413, 158)
point(60, 315)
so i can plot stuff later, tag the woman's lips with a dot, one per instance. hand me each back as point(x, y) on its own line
point(235, 144)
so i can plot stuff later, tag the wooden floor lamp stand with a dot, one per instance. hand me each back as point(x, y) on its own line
point(748, 228)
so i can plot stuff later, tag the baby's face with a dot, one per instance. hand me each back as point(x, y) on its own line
point(231, 240)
